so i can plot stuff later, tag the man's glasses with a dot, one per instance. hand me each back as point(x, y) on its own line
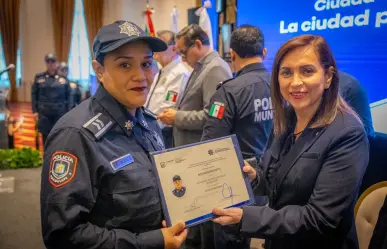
point(184, 53)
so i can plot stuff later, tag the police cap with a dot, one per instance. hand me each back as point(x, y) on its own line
point(50, 57)
point(112, 36)
point(176, 178)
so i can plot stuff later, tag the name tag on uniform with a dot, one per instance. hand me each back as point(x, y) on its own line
point(121, 162)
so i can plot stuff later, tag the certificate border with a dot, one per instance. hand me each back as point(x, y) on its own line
point(208, 216)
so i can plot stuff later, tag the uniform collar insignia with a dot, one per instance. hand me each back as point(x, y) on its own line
point(128, 125)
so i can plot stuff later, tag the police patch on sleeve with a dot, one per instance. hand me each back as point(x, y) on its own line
point(63, 166)
point(217, 110)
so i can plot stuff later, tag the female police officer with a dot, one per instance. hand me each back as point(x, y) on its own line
point(98, 188)
point(313, 167)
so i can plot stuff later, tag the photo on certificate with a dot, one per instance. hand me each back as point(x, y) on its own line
point(196, 178)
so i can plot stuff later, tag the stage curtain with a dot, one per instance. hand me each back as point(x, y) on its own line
point(62, 19)
point(93, 15)
point(9, 28)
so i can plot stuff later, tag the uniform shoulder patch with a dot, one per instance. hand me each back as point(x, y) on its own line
point(222, 83)
point(98, 125)
point(73, 85)
point(63, 166)
point(217, 110)
point(62, 80)
point(149, 113)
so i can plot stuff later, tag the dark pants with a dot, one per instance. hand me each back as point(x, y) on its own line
point(11, 144)
point(229, 237)
point(46, 123)
point(168, 137)
point(200, 237)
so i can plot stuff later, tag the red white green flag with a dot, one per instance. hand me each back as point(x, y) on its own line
point(217, 110)
point(149, 28)
point(171, 96)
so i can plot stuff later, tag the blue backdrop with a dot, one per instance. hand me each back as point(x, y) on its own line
point(359, 43)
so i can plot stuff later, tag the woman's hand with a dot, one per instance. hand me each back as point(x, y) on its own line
point(250, 171)
point(174, 236)
point(228, 216)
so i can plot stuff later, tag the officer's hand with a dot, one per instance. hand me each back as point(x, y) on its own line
point(174, 236)
point(36, 115)
point(251, 173)
point(164, 223)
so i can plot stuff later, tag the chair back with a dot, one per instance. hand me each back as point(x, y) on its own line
point(367, 212)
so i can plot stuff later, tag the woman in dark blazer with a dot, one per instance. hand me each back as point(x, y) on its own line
point(315, 161)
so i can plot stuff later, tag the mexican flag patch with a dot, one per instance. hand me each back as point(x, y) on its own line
point(217, 110)
point(171, 96)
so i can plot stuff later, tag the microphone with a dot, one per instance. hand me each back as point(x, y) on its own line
point(10, 67)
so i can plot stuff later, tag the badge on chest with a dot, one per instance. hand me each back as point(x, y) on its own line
point(121, 162)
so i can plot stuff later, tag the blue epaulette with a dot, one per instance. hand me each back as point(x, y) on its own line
point(222, 83)
point(98, 125)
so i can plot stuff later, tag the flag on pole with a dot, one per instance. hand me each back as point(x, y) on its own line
point(205, 21)
point(149, 28)
point(174, 18)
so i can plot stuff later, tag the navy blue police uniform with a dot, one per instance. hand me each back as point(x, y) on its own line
point(51, 99)
point(99, 189)
point(356, 96)
point(76, 93)
point(179, 192)
point(241, 106)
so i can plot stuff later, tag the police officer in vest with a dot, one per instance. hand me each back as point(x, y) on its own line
point(242, 106)
point(51, 96)
point(98, 186)
point(75, 89)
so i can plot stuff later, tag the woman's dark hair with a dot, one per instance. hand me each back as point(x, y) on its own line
point(331, 100)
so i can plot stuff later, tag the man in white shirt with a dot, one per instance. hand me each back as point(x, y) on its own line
point(168, 84)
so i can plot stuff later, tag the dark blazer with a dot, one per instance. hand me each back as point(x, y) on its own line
point(315, 189)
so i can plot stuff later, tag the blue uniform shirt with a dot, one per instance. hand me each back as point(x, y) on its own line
point(356, 96)
point(243, 106)
point(98, 186)
point(51, 94)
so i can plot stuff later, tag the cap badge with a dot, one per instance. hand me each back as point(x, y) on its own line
point(129, 29)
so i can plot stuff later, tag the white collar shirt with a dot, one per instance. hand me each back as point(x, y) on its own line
point(168, 85)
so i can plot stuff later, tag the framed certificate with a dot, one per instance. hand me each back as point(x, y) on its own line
point(196, 178)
